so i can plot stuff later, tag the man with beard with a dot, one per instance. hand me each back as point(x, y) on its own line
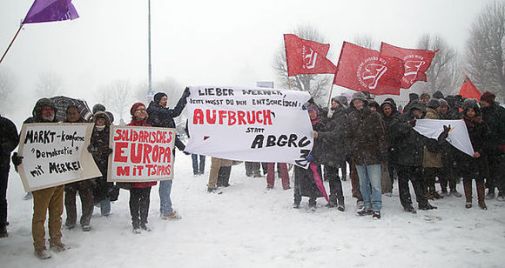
point(46, 199)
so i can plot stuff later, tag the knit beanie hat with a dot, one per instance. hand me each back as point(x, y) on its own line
point(158, 96)
point(488, 97)
point(135, 106)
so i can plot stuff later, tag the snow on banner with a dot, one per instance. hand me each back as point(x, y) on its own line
point(458, 135)
point(249, 124)
point(141, 154)
point(55, 154)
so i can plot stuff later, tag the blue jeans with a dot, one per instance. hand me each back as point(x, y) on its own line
point(105, 207)
point(165, 202)
point(198, 167)
point(370, 185)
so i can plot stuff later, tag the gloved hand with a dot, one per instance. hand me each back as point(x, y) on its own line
point(91, 149)
point(412, 123)
point(16, 159)
point(186, 93)
point(186, 153)
point(444, 133)
point(108, 151)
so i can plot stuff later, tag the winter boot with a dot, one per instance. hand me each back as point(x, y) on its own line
point(455, 193)
point(467, 186)
point(501, 197)
point(3, 232)
point(410, 209)
point(42, 254)
point(376, 215)
point(58, 247)
point(481, 190)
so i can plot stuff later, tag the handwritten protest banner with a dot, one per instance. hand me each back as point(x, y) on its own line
point(141, 154)
point(249, 124)
point(55, 154)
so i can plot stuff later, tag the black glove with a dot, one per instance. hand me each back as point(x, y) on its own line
point(186, 93)
point(412, 123)
point(91, 149)
point(108, 151)
point(444, 133)
point(16, 159)
point(186, 153)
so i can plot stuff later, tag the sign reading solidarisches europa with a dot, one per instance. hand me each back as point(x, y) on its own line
point(55, 154)
point(141, 154)
point(249, 124)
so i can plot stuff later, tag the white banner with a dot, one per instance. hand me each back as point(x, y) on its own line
point(55, 154)
point(141, 154)
point(458, 135)
point(249, 124)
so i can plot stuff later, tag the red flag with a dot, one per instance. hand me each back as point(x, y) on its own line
point(416, 62)
point(307, 57)
point(363, 69)
point(468, 90)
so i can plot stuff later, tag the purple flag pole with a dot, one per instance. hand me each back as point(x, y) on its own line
point(13, 39)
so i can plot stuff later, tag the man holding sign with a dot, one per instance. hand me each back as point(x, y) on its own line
point(46, 199)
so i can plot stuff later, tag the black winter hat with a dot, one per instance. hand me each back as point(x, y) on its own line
point(98, 108)
point(413, 96)
point(103, 115)
point(471, 103)
point(433, 103)
point(438, 95)
point(391, 100)
point(158, 96)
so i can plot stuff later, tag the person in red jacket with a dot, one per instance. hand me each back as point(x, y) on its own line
point(140, 192)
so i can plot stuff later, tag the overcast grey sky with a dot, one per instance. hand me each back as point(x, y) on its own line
point(218, 42)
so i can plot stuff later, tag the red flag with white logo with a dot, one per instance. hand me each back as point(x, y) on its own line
point(363, 69)
point(307, 57)
point(469, 91)
point(416, 62)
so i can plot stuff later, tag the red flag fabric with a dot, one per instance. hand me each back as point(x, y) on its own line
point(307, 57)
point(416, 62)
point(363, 69)
point(469, 91)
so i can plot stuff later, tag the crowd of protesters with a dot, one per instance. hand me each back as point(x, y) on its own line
point(377, 141)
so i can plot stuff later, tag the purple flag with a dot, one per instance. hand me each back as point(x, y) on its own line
point(51, 10)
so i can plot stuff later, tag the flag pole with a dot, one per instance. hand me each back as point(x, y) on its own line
point(331, 92)
point(13, 39)
point(149, 68)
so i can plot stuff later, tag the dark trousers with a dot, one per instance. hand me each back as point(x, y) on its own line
point(4, 177)
point(85, 189)
point(429, 176)
point(336, 193)
point(198, 166)
point(223, 178)
point(139, 205)
point(414, 174)
point(253, 169)
point(447, 176)
point(496, 174)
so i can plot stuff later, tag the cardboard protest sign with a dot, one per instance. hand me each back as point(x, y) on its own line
point(249, 124)
point(141, 154)
point(55, 154)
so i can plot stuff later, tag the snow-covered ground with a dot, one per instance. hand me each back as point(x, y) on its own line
point(249, 226)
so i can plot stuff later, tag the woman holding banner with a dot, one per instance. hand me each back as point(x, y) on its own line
point(140, 192)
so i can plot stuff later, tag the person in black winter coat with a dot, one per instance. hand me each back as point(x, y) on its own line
point(99, 149)
point(329, 150)
point(476, 166)
point(494, 116)
point(390, 115)
point(304, 178)
point(409, 160)
point(162, 116)
point(9, 140)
